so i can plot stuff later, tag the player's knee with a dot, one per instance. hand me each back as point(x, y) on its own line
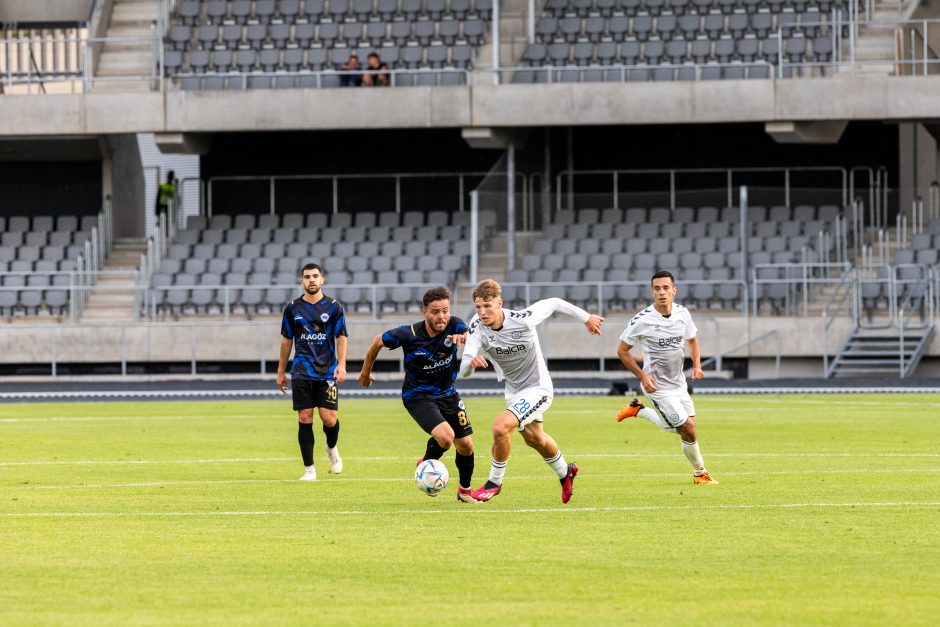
point(464, 446)
point(445, 440)
point(502, 428)
point(534, 438)
point(305, 416)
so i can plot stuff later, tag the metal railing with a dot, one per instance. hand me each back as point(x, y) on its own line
point(667, 183)
point(335, 179)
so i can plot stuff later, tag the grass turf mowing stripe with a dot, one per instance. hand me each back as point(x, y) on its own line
point(592, 475)
point(479, 508)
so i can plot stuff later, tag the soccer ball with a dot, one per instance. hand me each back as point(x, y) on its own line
point(431, 477)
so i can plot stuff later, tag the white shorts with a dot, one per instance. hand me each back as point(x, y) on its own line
point(675, 406)
point(528, 405)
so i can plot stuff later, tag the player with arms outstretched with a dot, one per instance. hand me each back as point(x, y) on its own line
point(428, 392)
point(662, 329)
point(315, 326)
point(510, 340)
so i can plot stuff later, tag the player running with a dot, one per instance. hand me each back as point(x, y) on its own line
point(315, 325)
point(428, 392)
point(662, 329)
point(510, 340)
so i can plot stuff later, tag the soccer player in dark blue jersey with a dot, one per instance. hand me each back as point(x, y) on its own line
point(428, 393)
point(314, 325)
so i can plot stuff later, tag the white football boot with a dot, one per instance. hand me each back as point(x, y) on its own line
point(310, 474)
point(336, 462)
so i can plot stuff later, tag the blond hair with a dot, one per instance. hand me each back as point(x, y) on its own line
point(487, 289)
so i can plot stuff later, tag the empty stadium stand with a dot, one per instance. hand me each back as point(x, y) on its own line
point(702, 246)
point(238, 44)
point(250, 264)
point(38, 255)
point(642, 40)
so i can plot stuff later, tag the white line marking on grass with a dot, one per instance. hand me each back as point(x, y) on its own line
point(406, 458)
point(478, 509)
point(123, 418)
point(592, 475)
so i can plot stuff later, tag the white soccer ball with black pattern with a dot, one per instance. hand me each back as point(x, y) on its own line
point(431, 477)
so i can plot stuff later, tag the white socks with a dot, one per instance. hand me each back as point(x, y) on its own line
point(558, 464)
point(650, 414)
point(694, 456)
point(497, 470)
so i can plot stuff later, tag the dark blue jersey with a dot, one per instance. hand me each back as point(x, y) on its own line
point(314, 329)
point(430, 362)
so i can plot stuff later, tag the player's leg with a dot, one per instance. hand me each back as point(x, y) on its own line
point(679, 408)
point(535, 436)
point(328, 410)
point(503, 426)
point(636, 408)
point(443, 437)
point(303, 404)
point(428, 415)
point(454, 411)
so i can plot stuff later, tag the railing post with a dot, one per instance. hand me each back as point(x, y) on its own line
point(474, 235)
point(494, 36)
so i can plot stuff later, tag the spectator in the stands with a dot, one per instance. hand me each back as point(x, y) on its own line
point(350, 80)
point(378, 77)
point(166, 193)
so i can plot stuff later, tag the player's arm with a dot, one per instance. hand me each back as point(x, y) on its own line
point(283, 356)
point(628, 360)
point(696, 352)
point(365, 375)
point(545, 308)
point(472, 359)
point(342, 343)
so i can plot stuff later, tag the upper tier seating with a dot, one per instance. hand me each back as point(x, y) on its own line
point(587, 40)
point(262, 44)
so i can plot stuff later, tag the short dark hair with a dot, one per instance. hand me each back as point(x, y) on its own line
point(663, 274)
point(312, 266)
point(373, 54)
point(435, 293)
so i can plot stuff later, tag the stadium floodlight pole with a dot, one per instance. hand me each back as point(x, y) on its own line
point(474, 234)
point(495, 38)
point(511, 206)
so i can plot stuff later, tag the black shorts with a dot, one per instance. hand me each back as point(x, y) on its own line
point(309, 394)
point(430, 412)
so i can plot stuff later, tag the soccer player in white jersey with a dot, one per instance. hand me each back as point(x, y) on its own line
point(510, 340)
point(662, 329)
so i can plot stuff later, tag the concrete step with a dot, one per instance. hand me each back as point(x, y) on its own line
point(121, 87)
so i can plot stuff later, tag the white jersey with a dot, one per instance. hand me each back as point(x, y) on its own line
point(663, 341)
point(514, 348)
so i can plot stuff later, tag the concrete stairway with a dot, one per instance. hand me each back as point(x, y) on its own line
point(130, 19)
point(113, 297)
point(877, 45)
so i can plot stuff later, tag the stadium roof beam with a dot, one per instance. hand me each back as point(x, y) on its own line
point(183, 143)
point(817, 132)
point(488, 138)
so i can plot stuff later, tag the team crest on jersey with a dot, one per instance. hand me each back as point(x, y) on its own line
point(516, 335)
point(448, 342)
point(461, 405)
point(324, 317)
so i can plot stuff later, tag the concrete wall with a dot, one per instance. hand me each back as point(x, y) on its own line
point(918, 163)
point(681, 102)
point(801, 339)
point(45, 10)
point(123, 180)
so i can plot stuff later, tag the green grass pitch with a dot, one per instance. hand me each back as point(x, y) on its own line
point(828, 512)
